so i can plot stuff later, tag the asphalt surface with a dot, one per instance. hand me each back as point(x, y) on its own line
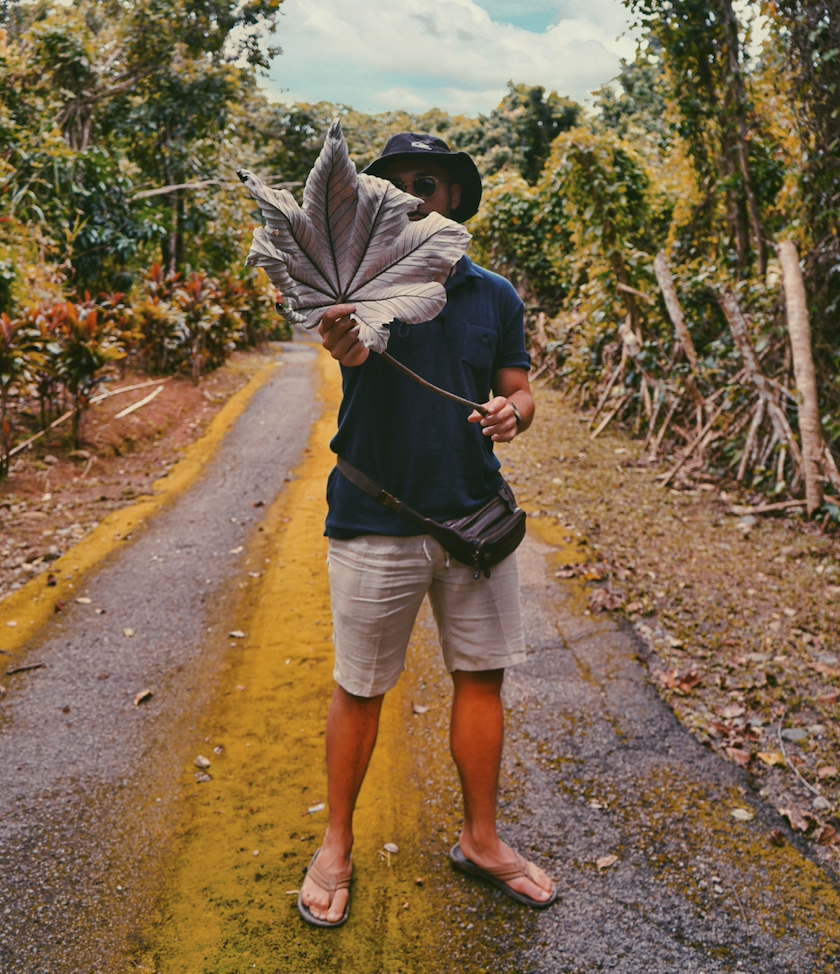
point(79, 866)
point(595, 766)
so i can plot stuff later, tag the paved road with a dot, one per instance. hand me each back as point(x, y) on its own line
point(596, 765)
point(78, 868)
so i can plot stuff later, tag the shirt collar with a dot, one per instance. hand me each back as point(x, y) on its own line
point(464, 270)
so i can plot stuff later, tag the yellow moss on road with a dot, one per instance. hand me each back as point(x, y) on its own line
point(230, 902)
point(24, 612)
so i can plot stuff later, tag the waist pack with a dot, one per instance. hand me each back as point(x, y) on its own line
point(481, 539)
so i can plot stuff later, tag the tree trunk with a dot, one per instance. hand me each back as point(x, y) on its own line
point(799, 328)
point(669, 293)
point(739, 92)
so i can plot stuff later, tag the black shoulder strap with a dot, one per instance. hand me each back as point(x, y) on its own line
point(379, 494)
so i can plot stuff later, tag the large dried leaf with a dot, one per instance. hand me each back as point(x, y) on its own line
point(352, 242)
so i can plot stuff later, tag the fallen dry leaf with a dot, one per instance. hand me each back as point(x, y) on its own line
point(202, 777)
point(418, 708)
point(142, 697)
point(128, 632)
point(824, 669)
point(827, 771)
point(2, 690)
point(828, 835)
point(771, 757)
point(52, 580)
point(732, 711)
point(742, 814)
point(826, 699)
point(603, 600)
point(565, 573)
point(740, 757)
point(59, 605)
point(606, 861)
point(795, 817)
point(776, 838)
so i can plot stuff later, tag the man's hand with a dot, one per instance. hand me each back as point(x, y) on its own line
point(340, 335)
point(499, 423)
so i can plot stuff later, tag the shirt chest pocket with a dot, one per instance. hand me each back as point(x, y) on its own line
point(479, 348)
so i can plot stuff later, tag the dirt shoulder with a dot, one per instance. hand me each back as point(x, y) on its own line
point(55, 496)
point(738, 620)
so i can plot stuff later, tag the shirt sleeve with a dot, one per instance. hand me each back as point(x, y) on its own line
point(512, 353)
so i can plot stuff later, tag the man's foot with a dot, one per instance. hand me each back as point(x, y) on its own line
point(499, 858)
point(325, 891)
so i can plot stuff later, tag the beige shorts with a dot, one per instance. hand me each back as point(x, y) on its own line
point(378, 584)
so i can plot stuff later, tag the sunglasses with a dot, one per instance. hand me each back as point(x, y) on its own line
point(422, 186)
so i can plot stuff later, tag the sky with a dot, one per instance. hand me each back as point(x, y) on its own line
point(456, 55)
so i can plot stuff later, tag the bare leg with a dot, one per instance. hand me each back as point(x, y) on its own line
point(351, 734)
point(476, 738)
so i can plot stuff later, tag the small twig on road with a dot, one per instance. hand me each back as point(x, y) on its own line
point(789, 763)
point(743, 912)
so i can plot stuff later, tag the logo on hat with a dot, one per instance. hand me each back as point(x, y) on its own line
point(421, 145)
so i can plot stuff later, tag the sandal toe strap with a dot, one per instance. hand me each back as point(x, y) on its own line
point(327, 882)
point(514, 870)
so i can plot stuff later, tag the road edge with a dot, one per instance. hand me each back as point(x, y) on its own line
point(27, 611)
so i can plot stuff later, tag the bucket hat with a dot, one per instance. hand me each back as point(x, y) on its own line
point(459, 165)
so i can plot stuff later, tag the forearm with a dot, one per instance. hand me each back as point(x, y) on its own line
point(524, 402)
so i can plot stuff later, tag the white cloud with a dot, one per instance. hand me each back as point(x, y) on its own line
point(450, 54)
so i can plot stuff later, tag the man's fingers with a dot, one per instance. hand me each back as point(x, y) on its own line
point(335, 316)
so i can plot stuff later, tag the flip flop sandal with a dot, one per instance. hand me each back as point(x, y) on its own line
point(500, 876)
point(330, 884)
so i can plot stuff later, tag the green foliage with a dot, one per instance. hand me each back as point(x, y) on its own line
point(87, 345)
point(16, 354)
point(519, 132)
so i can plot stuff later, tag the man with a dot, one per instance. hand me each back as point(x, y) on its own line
point(427, 452)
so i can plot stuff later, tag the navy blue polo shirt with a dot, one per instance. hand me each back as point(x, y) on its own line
point(414, 443)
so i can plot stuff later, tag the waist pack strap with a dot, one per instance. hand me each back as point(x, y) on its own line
point(440, 532)
point(379, 494)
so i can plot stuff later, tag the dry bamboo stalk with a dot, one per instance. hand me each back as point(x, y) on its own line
point(631, 290)
point(697, 442)
point(738, 327)
point(660, 398)
point(137, 405)
point(669, 292)
point(831, 470)
point(632, 345)
point(660, 435)
point(742, 509)
point(799, 328)
point(752, 436)
point(646, 401)
point(606, 420)
point(606, 393)
point(780, 466)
